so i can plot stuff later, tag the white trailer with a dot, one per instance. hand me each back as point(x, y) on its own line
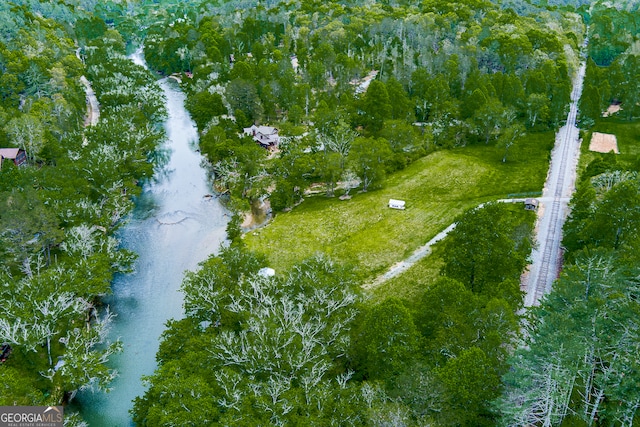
point(396, 204)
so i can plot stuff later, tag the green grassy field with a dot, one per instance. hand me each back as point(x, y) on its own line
point(411, 285)
point(363, 231)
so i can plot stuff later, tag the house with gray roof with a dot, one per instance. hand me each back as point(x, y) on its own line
point(266, 136)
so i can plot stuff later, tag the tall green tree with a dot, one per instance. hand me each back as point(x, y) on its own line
point(203, 106)
point(242, 95)
point(376, 107)
point(368, 158)
point(27, 133)
point(29, 229)
point(469, 382)
point(446, 319)
point(604, 212)
point(481, 252)
point(580, 350)
point(385, 340)
point(509, 137)
point(401, 106)
point(338, 140)
point(489, 119)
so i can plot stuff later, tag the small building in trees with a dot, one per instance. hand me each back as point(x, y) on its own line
point(5, 351)
point(266, 136)
point(17, 155)
point(531, 204)
point(396, 204)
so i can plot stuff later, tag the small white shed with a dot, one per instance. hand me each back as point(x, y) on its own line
point(396, 204)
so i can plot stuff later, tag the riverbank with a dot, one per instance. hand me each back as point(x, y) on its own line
point(173, 228)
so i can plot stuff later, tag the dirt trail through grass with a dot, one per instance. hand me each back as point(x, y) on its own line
point(403, 266)
point(421, 252)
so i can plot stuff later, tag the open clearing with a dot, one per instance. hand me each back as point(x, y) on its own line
point(613, 109)
point(364, 232)
point(603, 143)
point(628, 139)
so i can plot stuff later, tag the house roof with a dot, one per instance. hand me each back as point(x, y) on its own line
point(265, 135)
point(9, 153)
point(265, 130)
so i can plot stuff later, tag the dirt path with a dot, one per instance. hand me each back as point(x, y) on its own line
point(402, 266)
point(93, 107)
point(422, 252)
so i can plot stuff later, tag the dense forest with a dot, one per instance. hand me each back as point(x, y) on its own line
point(578, 362)
point(59, 210)
point(464, 74)
point(359, 93)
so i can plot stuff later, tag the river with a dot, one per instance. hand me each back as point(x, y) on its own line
point(175, 226)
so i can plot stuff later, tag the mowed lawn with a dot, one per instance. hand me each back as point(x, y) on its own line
point(363, 231)
point(411, 285)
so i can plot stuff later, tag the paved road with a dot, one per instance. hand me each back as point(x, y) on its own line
point(547, 256)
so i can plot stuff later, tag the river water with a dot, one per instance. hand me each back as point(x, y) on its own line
point(175, 226)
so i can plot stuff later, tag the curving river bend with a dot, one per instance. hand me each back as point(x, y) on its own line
point(173, 228)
